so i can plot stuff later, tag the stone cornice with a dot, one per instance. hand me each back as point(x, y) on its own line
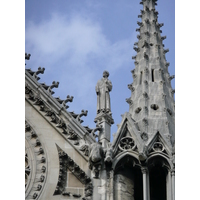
point(64, 123)
point(54, 104)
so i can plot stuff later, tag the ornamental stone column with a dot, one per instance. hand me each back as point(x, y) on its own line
point(169, 185)
point(173, 184)
point(145, 190)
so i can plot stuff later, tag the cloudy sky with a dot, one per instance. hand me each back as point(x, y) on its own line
point(75, 41)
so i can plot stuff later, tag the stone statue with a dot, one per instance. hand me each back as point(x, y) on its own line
point(103, 87)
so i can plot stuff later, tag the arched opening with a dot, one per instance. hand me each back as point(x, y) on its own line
point(157, 178)
point(128, 180)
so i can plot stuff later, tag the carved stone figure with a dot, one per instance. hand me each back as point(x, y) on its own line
point(96, 158)
point(103, 87)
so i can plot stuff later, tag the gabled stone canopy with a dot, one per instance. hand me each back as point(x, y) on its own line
point(127, 128)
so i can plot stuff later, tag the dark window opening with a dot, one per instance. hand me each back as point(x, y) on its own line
point(126, 169)
point(152, 74)
point(157, 183)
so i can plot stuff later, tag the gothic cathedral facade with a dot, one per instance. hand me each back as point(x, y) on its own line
point(66, 160)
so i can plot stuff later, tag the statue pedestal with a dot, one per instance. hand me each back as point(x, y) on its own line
point(104, 120)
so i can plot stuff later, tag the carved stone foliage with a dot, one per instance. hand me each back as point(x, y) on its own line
point(130, 86)
point(127, 143)
point(85, 149)
point(35, 164)
point(144, 136)
point(66, 163)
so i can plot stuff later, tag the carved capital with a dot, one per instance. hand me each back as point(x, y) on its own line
point(144, 170)
point(173, 172)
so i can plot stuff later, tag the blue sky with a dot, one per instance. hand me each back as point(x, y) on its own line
point(77, 40)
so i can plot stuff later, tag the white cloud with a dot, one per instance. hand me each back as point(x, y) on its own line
point(76, 52)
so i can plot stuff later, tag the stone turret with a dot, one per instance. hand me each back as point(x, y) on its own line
point(151, 103)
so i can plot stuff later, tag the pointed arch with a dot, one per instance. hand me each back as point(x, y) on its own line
point(128, 182)
point(159, 167)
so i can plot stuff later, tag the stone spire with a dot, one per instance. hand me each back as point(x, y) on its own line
point(152, 103)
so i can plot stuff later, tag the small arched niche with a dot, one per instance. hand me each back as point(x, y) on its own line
point(128, 179)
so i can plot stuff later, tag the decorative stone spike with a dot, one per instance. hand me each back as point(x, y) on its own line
point(138, 29)
point(140, 24)
point(165, 51)
point(27, 56)
point(54, 85)
point(129, 101)
point(83, 113)
point(171, 77)
point(63, 102)
point(134, 57)
point(130, 87)
point(160, 25)
point(98, 128)
point(136, 49)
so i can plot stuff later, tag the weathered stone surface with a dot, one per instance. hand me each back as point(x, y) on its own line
point(123, 187)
